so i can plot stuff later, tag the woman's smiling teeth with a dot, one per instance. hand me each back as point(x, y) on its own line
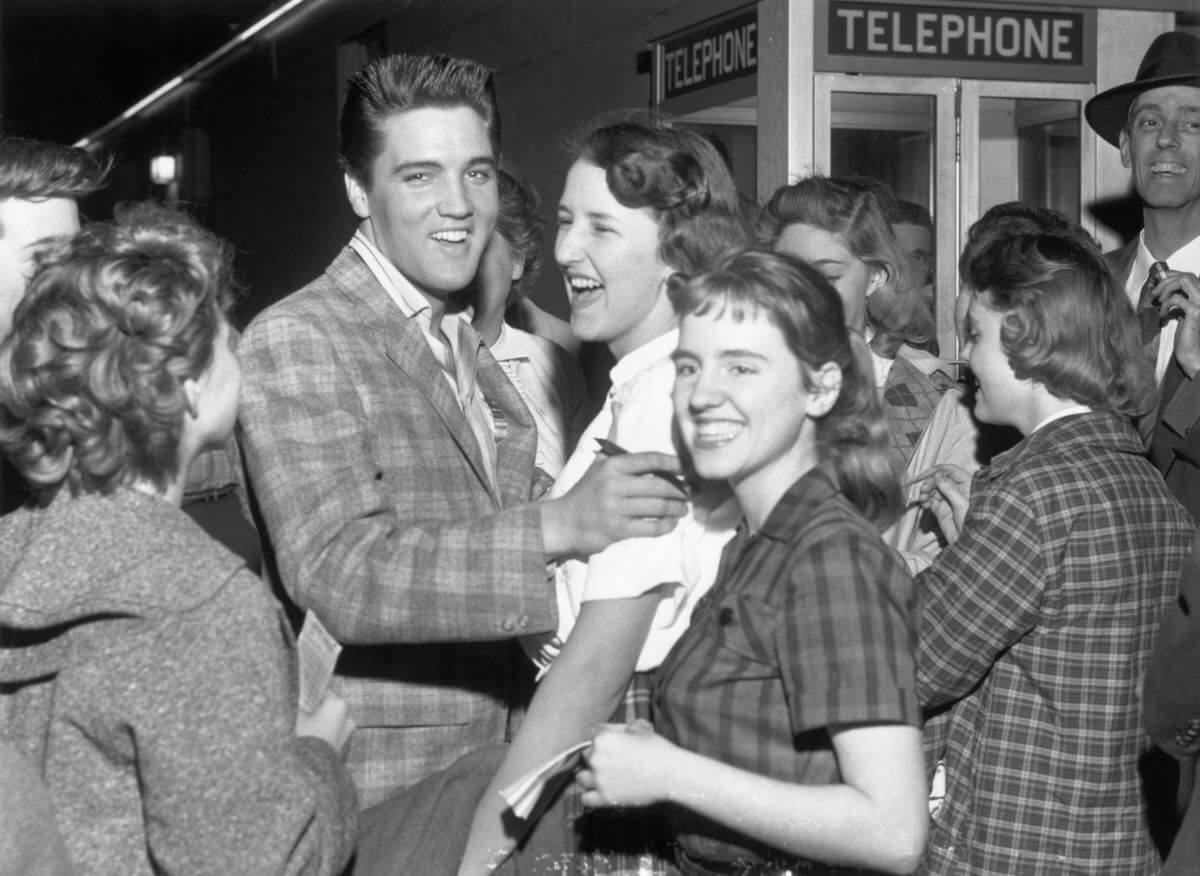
point(584, 291)
point(583, 284)
point(453, 235)
point(714, 433)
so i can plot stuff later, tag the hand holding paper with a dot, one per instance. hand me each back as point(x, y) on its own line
point(318, 653)
point(523, 794)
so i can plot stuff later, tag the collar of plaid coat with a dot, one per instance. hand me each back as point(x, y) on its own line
point(1094, 429)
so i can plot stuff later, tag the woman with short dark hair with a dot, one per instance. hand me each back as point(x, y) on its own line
point(643, 199)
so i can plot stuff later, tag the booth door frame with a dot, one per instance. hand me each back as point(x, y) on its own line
point(955, 199)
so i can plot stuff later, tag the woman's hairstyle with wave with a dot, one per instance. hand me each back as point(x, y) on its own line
point(676, 172)
point(520, 223)
point(853, 437)
point(113, 322)
point(858, 210)
point(1065, 322)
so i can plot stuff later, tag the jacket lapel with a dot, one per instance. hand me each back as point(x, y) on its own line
point(404, 344)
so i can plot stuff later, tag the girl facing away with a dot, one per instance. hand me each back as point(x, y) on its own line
point(144, 672)
point(786, 728)
point(1037, 619)
point(840, 226)
point(642, 200)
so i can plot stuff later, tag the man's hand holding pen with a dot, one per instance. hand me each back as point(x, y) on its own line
point(615, 500)
point(1177, 295)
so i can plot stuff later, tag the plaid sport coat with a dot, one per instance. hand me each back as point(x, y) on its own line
point(377, 514)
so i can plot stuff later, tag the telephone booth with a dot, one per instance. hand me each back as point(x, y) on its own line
point(957, 106)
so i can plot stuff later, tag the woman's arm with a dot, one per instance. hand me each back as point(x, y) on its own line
point(582, 689)
point(876, 818)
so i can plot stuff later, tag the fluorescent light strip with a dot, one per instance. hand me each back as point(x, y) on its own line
point(150, 98)
point(192, 72)
point(267, 20)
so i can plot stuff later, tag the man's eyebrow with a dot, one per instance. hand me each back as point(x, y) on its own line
point(408, 166)
point(434, 164)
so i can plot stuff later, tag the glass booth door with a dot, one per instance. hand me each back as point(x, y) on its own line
point(956, 147)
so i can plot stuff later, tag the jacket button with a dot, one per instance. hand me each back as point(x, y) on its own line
point(508, 624)
point(523, 621)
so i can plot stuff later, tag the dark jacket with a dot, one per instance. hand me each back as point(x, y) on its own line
point(1171, 705)
point(149, 678)
point(1170, 428)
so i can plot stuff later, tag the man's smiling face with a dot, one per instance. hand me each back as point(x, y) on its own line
point(431, 202)
point(1161, 146)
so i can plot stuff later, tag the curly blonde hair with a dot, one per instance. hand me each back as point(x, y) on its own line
point(114, 320)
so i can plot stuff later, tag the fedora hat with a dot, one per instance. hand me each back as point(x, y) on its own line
point(1172, 59)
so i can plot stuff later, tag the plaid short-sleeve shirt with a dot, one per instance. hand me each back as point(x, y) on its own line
point(810, 623)
point(1036, 625)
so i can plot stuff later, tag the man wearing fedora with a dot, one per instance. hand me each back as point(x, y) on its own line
point(1155, 122)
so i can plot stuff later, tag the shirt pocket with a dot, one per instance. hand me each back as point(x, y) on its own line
point(744, 628)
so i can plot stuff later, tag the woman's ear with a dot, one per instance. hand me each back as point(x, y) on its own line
point(879, 277)
point(191, 396)
point(826, 387)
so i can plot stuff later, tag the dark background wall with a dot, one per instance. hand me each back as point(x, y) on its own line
point(258, 137)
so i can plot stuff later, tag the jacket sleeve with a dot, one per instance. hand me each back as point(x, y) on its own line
point(227, 787)
point(981, 595)
point(1171, 693)
point(1182, 410)
point(377, 547)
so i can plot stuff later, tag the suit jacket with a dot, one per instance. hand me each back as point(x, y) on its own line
point(1171, 704)
point(379, 516)
point(1169, 429)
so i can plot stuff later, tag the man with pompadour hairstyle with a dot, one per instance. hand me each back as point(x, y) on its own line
point(391, 461)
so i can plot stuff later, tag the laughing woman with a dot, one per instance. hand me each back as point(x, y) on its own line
point(642, 200)
point(788, 731)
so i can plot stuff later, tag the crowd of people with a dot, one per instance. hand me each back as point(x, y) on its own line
point(798, 594)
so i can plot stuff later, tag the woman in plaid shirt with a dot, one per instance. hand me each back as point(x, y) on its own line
point(787, 710)
point(1037, 620)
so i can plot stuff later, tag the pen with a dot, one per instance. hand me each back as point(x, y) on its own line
point(609, 448)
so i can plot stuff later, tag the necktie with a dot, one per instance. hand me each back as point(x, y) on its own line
point(1147, 309)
